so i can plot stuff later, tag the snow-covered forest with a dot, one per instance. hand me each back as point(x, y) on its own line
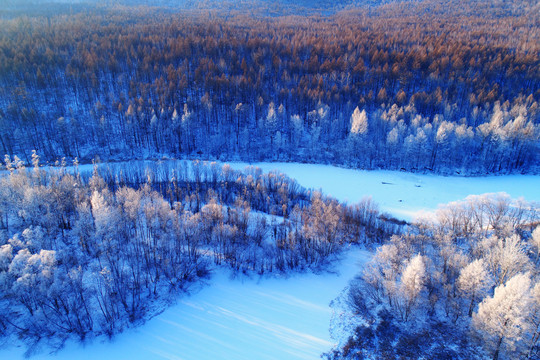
point(86, 255)
point(98, 236)
point(493, 230)
point(463, 285)
point(444, 90)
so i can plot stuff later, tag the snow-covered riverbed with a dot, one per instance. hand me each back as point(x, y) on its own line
point(403, 195)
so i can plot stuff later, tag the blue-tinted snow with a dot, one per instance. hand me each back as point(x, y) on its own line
point(259, 318)
point(402, 194)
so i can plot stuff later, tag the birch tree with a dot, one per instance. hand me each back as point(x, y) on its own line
point(502, 319)
point(473, 282)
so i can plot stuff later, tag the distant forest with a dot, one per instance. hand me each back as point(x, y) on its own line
point(422, 86)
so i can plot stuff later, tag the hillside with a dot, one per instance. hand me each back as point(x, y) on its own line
point(398, 86)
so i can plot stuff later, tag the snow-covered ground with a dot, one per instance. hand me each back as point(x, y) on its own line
point(283, 318)
point(259, 318)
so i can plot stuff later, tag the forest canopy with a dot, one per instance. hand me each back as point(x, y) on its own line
point(443, 91)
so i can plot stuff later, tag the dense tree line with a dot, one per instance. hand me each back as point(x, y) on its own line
point(462, 286)
point(452, 90)
point(91, 253)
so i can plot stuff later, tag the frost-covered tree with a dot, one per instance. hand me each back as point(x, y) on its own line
point(359, 122)
point(33, 275)
point(502, 319)
point(505, 257)
point(442, 145)
point(535, 242)
point(357, 144)
point(449, 262)
point(412, 283)
point(382, 272)
point(322, 223)
point(534, 320)
point(6, 255)
point(474, 281)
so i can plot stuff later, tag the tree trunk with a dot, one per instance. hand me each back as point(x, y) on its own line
point(497, 350)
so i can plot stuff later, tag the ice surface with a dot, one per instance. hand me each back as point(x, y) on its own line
point(403, 195)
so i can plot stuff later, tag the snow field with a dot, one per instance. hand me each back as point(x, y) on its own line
point(257, 318)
